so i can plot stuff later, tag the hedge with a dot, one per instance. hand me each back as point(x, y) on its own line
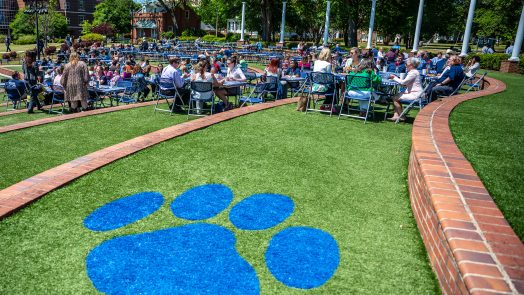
point(492, 61)
point(93, 37)
point(25, 39)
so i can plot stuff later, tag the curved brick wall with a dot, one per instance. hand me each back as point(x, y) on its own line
point(472, 248)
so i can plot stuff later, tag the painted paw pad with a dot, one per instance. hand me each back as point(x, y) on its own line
point(201, 258)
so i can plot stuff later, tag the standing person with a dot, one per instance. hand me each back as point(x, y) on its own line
point(7, 44)
point(75, 80)
point(31, 76)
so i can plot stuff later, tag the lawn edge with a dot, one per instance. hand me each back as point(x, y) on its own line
point(471, 246)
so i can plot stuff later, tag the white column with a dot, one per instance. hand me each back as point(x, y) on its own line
point(371, 23)
point(467, 33)
point(518, 40)
point(282, 29)
point(326, 26)
point(419, 24)
point(243, 20)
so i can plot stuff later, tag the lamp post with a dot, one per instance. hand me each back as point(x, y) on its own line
point(36, 7)
point(326, 24)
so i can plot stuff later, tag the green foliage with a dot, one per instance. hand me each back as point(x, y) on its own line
point(213, 38)
point(187, 38)
point(116, 13)
point(497, 18)
point(169, 35)
point(492, 61)
point(24, 24)
point(93, 37)
point(232, 37)
point(86, 27)
point(25, 39)
point(193, 32)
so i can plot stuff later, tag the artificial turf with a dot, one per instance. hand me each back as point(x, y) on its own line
point(490, 132)
point(27, 152)
point(345, 178)
point(24, 117)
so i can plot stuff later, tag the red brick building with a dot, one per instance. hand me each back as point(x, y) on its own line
point(153, 20)
point(75, 11)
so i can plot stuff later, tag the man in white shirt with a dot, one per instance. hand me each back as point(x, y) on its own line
point(172, 73)
point(509, 50)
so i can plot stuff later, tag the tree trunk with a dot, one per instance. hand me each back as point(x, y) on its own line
point(267, 25)
point(352, 33)
point(171, 11)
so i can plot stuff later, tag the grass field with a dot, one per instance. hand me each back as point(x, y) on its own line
point(345, 177)
point(490, 132)
point(30, 151)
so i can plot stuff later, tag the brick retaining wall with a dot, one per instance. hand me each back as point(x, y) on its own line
point(472, 248)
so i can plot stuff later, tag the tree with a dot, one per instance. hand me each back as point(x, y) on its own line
point(104, 29)
point(25, 24)
point(170, 6)
point(118, 13)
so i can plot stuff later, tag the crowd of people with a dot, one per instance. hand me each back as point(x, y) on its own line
point(109, 66)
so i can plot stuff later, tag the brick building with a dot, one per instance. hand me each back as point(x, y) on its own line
point(75, 11)
point(152, 20)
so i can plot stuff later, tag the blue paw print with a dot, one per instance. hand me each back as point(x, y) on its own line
point(201, 258)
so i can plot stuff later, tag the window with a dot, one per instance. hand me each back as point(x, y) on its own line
point(67, 5)
point(81, 19)
point(187, 14)
point(68, 20)
point(81, 5)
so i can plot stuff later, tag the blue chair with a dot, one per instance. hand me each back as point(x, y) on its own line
point(323, 86)
point(273, 86)
point(130, 93)
point(14, 95)
point(58, 97)
point(166, 90)
point(201, 93)
point(256, 95)
point(355, 83)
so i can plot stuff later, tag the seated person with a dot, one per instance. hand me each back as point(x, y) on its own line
point(143, 90)
point(172, 73)
point(367, 69)
point(449, 81)
point(472, 67)
point(21, 86)
point(234, 73)
point(292, 71)
point(413, 86)
point(353, 61)
point(200, 74)
point(59, 71)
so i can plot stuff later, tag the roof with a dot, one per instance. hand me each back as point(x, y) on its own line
point(145, 24)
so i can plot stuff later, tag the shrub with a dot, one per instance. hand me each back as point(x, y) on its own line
point(213, 38)
point(232, 37)
point(193, 32)
point(168, 35)
point(59, 40)
point(13, 54)
point(492, 61)
point(93, 37)
point(187, 38)
point(6, 56)
point(25, 39)
point(64, 47)
point(104, 29)
point(50, 50)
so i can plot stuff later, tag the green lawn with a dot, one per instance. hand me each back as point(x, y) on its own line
point(490, 132)
point(23, 117)
point(33, 150)
point(345, 177)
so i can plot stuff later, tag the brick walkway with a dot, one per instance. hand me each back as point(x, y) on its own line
point(470, 244)
point(27, 191)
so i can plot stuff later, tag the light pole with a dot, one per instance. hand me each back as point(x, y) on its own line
point(371, 24)
point(326, 24)
point(36, 7)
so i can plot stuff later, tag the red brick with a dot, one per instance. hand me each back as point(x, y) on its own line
point(470, 245)
point(474, 282)
point(468, 268)
point(470, 256)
